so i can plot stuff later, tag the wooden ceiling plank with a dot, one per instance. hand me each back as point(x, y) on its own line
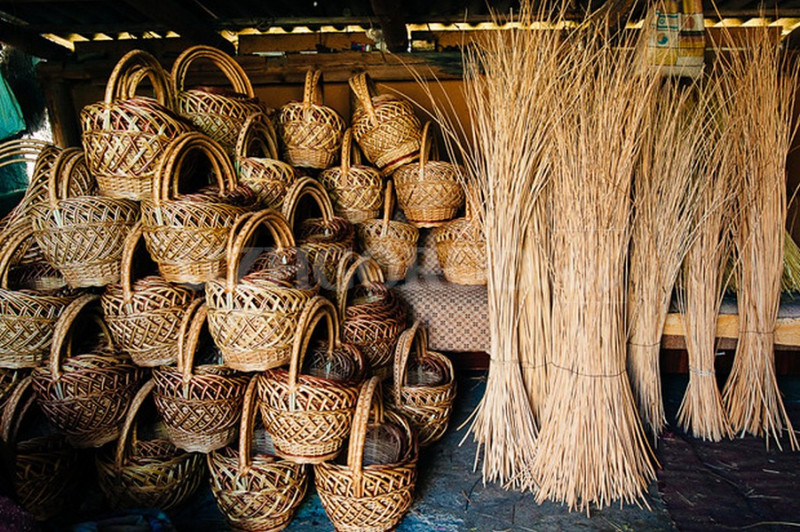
point(31, 42)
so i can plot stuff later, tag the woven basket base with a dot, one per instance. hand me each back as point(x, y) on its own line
point(310, 158)
point(82, 275)
point(201, 443)
point(193, 273)
point(119, 187)
point(261, 524)
point(397, 163)
point(256, 360)
point(394, 272)
point(307, 459)
point(163, 356)
point(97, 438)
point(354, 216)
point(465, 276)
point(21, 361)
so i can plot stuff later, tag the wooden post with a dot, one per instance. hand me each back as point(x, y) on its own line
point(61, 112)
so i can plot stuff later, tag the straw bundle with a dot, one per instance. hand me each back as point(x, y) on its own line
point(758, 74)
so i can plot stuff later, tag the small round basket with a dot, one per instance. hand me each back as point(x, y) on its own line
point(218, 113)
point(307, 416)
point(461, 249)
point(253, 319)
point(385, 126)
point(265, 174)
point(255, 490)
point(354, 189)
point(124, 136)
point(144, 316)
point(429, 191)
point(375, 488)
point(392, 244)
point(424, 385)
point(147, 473)
point(311, 132)
point(187, 234)
point(200, 405)
point(85, 396)
point(82, 236)
point(46, 468)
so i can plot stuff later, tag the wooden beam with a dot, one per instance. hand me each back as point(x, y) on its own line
point(30, 42)
point(393, 25)
point(299, 42)
point(787, 332)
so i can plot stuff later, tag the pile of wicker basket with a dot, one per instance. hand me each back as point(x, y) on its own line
point(171, 265)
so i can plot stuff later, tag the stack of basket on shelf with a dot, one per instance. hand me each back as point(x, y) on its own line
point(212, 256)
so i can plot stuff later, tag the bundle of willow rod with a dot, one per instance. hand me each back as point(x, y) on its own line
point(790, 279)
point(763, 93)
point(591, 448)
point(665, 193)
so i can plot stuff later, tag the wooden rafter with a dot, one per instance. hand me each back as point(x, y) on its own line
point(30, 42)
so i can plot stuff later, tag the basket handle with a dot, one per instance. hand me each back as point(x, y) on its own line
point(229, 67)
point(60, 175)
point(126, 263)
point(247, 426)
point(416, 334)
point(61, 332)
point(243, 229)
point(315, 309)
point(165, 186)
point(369, 268)
point(189, 335)
point(347, 152)
point(306, 186)
point(134, 67)
point(257, 129)
point(363, 87)
point(369, 403)
point(312, 93)
point(13, 412)
point(8, 249)
point(127, 437)
point(426, 145)
point(388, 206)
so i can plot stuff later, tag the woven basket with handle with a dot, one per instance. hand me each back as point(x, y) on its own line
point(429, 191)
point(124, 136)
point(187, 234)
point(144, 315)
point(392, 244)
point(424, 385)
point(255, 490)
point(82, 236)
point(9, 379)
point(253, 319)
point(200, 404)
point(85, 394)
point(257, 162)
point(311, 132)
point(370, 497)
point(308, 417)
point(385, 126)
point(354, 188)
point(461, 249)
point(219, 113)
point(147, 473)
point(27, 317)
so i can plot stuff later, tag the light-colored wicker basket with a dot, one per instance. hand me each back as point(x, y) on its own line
point(200, 405)
point(144, 316)
point(255, 491)
point(42, 155)
point(461, 249)
point(369, 498)
point(264, 173)
point(27, 317)
point(46, 468)
point(429, 191)
point(309, 417)
point(385, 126)
point(392, 244)
point(187, 237)
point(311, 132)
point(218, 113)
point(253, 320)
point(424, 386)
point(354, 188)
point(147, 473)
point(85, 396)
point(124, 136)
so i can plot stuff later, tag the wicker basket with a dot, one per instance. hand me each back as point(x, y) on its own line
point(392, 244)
point(265, 174)
point(150, 473)
point(354, 189)
point(218, 113)
point(144, 316)
point(124, 136)
point(311, 132)
point(255, 490)
point(309, 417)
point(82, 236)
point(375, 497)
point(27, 317)
point(85, 396)
point(429, 192)
point(46, 468)
point(375, 321)
point(325, 240)
point(385, 126)
point(28, 151)
point(253, 319)
point(424, 385)
point(185, 235)
point(9, 379)
point(461, 249)
point(200, 405)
